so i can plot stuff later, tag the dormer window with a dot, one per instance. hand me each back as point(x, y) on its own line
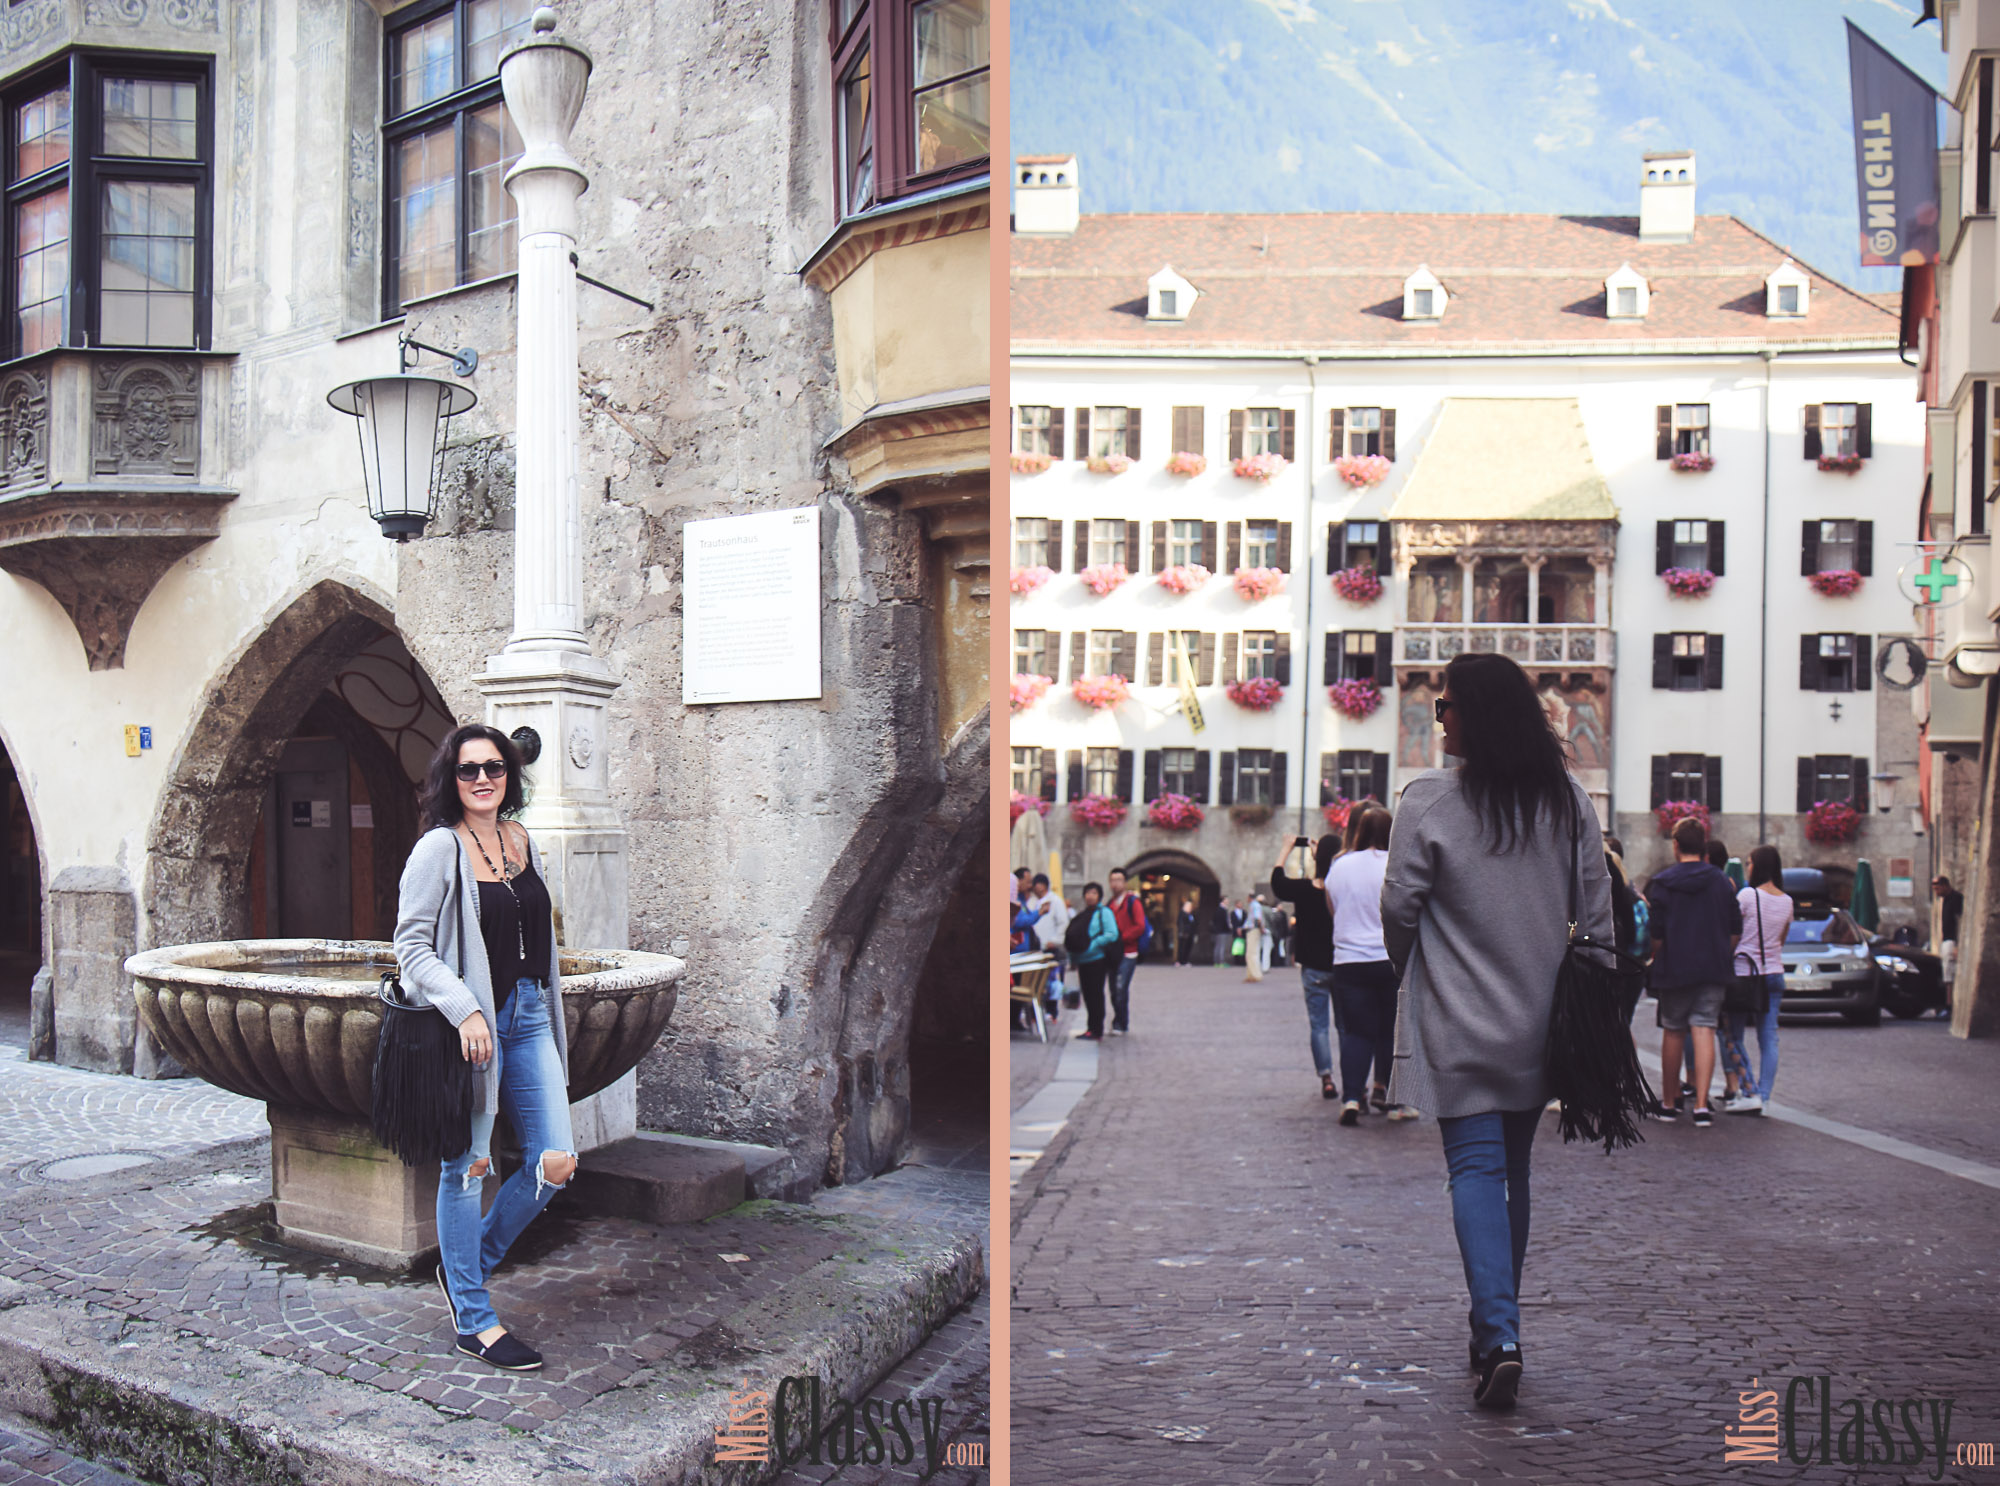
point(1423, 296)
point(1626, 295)
point(1787, 292)
point(1169, 296)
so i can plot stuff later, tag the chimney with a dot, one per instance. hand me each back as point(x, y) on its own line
point(1666, 197)
point(1045, 195)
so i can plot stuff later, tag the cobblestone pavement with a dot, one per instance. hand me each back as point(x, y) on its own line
point(1214, 1282)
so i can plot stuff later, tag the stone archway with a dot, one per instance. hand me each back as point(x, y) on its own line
point(23, 875)
point(1164, 879)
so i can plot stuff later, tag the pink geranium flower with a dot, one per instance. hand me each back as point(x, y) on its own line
point(1100, 692)
point(1253, 584)
point(1027, 580)
point(1102, 577)
point(1183, 577)
point(1026, 690)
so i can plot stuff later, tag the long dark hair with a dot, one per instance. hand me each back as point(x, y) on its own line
point(1765, 866)
point(1515, 771)
point(439, 801)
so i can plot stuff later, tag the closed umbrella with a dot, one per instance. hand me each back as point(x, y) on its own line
point(1862, 905)
point(1735, 871)
point(1028, 845)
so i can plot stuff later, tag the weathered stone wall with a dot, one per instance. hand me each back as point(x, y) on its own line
point(94, 921)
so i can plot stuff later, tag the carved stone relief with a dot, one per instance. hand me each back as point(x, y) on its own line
point(146, 418)
point(25, 26)
point(361, 194)
point(182, 15)
point(24, 429)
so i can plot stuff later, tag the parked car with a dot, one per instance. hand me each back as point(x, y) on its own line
point(1830, 965)
point(1915, 980)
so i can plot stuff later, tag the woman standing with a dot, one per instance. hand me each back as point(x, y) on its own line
point(1312, 937)
point(475, 939)
point(1094, 941)
point(1364, 983)
point(1767, 918)
point(1473, 915)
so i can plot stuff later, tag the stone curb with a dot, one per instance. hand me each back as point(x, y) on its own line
point(179, 1407)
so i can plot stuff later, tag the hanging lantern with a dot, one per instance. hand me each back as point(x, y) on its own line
point(402, 428)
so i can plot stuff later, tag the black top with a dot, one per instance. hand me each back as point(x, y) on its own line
point(501, 914)
point(1954, 906)
point(1312, 940)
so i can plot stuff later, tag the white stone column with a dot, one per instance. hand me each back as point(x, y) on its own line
point(1534, 561)
point(546, 678)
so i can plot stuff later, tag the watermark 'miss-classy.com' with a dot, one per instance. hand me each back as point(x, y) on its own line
point(792, 1426)
point(1801, 1422)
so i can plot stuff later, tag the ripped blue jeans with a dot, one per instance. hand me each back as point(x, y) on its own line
point(533, 1093)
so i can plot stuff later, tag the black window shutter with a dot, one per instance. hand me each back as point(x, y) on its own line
point(1055, 433)
point(1233, 541)
point(1978, 501)
point(1812, 430)
point(1864, 548)
point(1378, 777)
point(1159, 546)
point(1336, 425)
point(1711, 666)
point(1860, 778)
point(1125, 657)
point(1124, 790)
point(1663, 432)
point(1277, 778)
point(1808, 662)
point(1808, 548)
point(1287, 433)
point(1156, 659)
point(1283, 657)
point(1235, 434)
point(1229, 672)
point(1384, 563)
point(1663, 662)
point(1864, 662)
point(1864, 435)
point(1715, 548)
point(1049, 775)
point(1336, 546)
point(1807, 782)
point(1201, 776)
point(1152, 765)
point(1077, 656)
point(1330, 673)
point(1082, 433)
point(1131, 433)
point(1712, 784)
point(1389, 434)
point(1284, 546)
point(1663, 546)
point(1132, 545)
point(1205, 668)
point(1209, 551)
point(1075, 772)
point(1225, 793)
point(1082, 554)
point(1385, 660)
point(1659, 780)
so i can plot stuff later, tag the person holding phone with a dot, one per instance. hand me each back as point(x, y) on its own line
point(1312, 946)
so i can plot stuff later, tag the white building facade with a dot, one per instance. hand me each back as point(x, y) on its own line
point(1486, 414)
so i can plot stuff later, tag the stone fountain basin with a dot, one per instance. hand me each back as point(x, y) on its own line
point(294, 1021)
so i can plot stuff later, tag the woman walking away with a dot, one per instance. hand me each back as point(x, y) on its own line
point(475, 938)
point(1364, 984)
point(1093, 942)
point(1312, 939)
point(1767, 918)
point(1473, 916)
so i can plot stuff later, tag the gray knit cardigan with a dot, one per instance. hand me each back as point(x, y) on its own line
point(1477, 936)
point(430, 939)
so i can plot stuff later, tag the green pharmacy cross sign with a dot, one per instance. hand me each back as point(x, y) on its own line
point(1936, 580)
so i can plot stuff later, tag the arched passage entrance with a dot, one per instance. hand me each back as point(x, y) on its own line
point(20, 904)
point(1166, 881)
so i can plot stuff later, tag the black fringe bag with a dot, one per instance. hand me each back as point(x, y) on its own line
point(1591, 1063)
point(424, 1087)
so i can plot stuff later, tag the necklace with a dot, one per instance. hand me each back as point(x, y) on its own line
point(507, 871)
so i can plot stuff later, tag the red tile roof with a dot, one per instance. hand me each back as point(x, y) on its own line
point(1334, 282)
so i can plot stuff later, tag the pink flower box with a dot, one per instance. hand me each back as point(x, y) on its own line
point(1183, 578)
point(1689, 583)
point(1026, 690)
point(1104, 576)
point(1358, 585)
point(1174, 812)
point(1019, 805)
point(1674, 812)
point(1101, 692)
point(1693, 464)
point(1845, 464)
point(1100, 812)
point(1253, 584)
point(1336, 813)
point(1108, 464)
point(1028, 464)
point(1187, 464)
point(1832, 820)
point(1027, 580)
point(1259, 694)
point(1361, 470)
point(1259, 467)
point(1835, 583)
point(1355, 699)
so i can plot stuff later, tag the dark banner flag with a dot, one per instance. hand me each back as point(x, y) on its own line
point(1895, 156)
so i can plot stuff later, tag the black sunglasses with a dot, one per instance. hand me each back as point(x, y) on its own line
point(494, 767)
point(1440, 707)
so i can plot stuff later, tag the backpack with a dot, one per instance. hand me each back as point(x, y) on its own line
point(1076, 938)
point(1145, 932)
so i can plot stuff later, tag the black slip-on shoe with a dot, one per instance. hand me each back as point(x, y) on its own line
point(449, 1304)
point(1499, 1378)
point(1473, 1357)
point(506, 1351)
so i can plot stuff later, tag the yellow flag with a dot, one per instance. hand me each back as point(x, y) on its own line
point(1190, 703)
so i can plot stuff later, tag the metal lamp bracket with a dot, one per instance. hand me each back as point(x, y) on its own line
point(464, 361)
